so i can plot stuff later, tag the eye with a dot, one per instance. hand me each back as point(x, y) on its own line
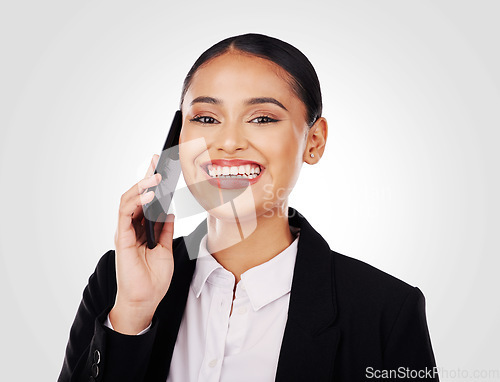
point(264, 119)
point(204, 120)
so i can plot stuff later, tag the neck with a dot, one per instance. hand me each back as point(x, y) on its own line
point(237, 252)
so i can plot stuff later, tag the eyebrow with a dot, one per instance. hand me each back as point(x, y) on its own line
point(250, 101)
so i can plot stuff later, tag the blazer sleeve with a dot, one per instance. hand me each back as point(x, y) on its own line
point(408, 348)
point(95, 352)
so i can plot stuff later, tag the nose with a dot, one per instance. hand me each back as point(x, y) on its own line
point(231, 138)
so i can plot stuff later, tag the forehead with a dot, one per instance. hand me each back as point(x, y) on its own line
point(233, 74)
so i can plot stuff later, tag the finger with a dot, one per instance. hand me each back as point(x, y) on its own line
point(148, 182)
point(140, 235)
point(167, 232)
point(140, 187)
point(138, 214)
point(144, 184)
point(132, 201)
point(127, 207)
point(152, 166)
point(138, 224)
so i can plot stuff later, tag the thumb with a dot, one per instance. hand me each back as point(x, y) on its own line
point(167, 232)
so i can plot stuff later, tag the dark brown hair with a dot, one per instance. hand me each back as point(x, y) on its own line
point(304, 80)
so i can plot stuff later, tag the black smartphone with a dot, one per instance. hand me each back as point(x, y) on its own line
point(170, 169)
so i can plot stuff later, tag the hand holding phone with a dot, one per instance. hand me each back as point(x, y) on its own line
point(170, 169)
point(143, 275)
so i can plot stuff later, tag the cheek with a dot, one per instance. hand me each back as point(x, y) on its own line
point(186, 165)
point(185, 155)
point(191, 148)
point(284, 159)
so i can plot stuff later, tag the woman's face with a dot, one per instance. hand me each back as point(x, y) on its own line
point(252, 124)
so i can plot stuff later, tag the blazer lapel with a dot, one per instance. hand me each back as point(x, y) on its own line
point(310, 339)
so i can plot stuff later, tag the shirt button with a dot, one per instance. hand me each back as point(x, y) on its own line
point(242, 310)
point(95, 370)
point(97, 357)
point(212, 363)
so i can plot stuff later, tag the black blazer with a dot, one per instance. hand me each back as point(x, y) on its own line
point(347, 321)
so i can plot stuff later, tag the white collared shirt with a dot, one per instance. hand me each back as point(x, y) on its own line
point(214, 346)
point(244, 346)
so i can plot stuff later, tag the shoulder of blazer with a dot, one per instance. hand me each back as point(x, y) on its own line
point(369, 297)
point(365, 279)
point(346, 310)
point(359, 290)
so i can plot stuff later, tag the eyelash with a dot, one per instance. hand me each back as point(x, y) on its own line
point(199, 118)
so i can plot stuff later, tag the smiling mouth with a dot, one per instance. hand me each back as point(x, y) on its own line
point(232, 173)
point(246, 171)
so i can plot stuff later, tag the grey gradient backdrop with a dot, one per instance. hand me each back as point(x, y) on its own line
point(409, 181)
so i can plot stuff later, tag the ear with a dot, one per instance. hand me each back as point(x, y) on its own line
point(316, 141)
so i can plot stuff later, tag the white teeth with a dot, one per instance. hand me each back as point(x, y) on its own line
point(255, 170)
point(242, 171)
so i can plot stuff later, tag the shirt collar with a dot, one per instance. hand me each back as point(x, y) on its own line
point(263, 284)
point(271, 280)
point(205, 266)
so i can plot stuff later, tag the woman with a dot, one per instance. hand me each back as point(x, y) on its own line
point(254, 293)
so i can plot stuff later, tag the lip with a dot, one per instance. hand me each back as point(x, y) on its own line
point(231, 183)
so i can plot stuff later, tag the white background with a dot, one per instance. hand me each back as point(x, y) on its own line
point(409, 182)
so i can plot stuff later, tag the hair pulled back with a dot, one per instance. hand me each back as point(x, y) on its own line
point(303, 78)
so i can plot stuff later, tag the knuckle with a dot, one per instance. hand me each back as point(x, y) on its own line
point(121, 210)
point(124, 198)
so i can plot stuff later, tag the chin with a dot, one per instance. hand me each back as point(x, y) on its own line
point(225, 205)
point(243, 222)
